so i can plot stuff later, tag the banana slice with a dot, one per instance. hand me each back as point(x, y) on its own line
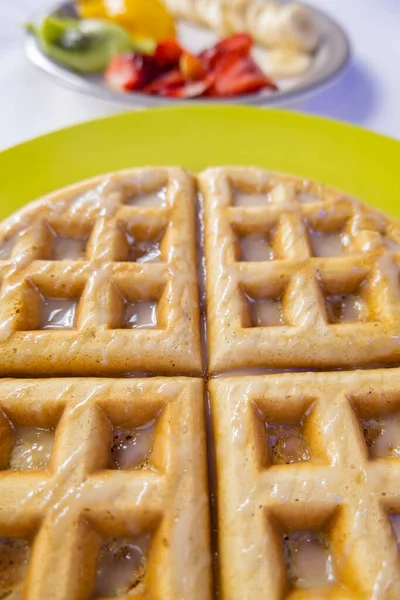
point(282, 26)
point(233, 16)
point(272, 25)
point(209, 13)
point(286, 63)
point(301, 28)
point(181, 9)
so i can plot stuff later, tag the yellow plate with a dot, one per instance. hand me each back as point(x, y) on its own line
point(362, 163)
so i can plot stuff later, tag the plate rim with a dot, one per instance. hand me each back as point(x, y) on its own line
point(74, 81)
point(278, 111)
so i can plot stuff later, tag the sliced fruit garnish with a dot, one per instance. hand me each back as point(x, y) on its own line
point(142, 18)
point(130, 71)
point(192, 89)
point(167, 53)
point(165, 82)
point(239, 43)
point(83, 46)
point(191, 67)
point(236, 74)
point(226, 69)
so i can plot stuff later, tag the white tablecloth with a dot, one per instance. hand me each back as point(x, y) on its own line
point(368, 94)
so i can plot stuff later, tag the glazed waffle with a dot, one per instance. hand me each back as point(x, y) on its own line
point(103, 489)
point(308, 485)
point(103, 482)
point(101, 278)
point(298, 275)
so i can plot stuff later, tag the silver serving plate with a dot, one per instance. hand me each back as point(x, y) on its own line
point(328, 62)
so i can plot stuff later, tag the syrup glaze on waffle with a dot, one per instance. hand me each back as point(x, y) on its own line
point(103, 481)
point(331, 277)
point(320, 522)
point(101, 278)
point(78, 524)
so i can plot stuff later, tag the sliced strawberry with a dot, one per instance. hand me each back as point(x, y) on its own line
point(164, 82)
point(240, 43)
point(191, 89)
point(130, 71)
point(235, 74)
point(191, 67)
point(246, 83)
point(227, 69)
point(121, 73)
point(173, 85)
point(168, 53)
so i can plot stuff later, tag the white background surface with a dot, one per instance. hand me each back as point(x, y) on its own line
point(368, 94)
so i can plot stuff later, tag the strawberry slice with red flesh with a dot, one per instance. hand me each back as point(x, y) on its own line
point(190, 89)
point(240, 44)
point(235, 74)
point(174, 85)
point(168, 53)
point(162, 83)
point(127, 72)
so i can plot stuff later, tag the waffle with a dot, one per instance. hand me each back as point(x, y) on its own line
point(106, 270)
point(298, 275)
point(91, 504)
point(308, 485)
point(103, 490)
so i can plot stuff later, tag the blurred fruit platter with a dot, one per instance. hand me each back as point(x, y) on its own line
point(162, 51)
